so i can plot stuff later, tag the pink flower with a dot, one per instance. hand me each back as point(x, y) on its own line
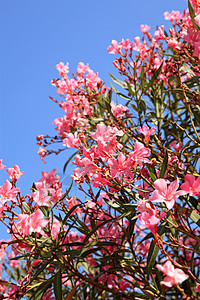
point(145, 28)
point(150, 219)
point(31, 223)
point(173, 276)
point(114, 48)
point(42, 153)
point(14, 173)
point(139, 154)
point(175, 15)
point(126, 45)
point(7, 192)
point(177, 146)
point(197, 288)
point(159, 34)
point(197, 19)
point(119, 166)
point(37, 222)
point(174, 44)
point(1, 165)
point(167, 194)
point(190, 185)
point(63, 69)
point(41, 196)
point(71, 140)
point(146, 132)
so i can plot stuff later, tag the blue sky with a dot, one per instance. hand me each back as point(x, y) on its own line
point(35, 36)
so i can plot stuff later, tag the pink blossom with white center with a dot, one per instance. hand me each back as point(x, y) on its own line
point(166, 193)
point(1, 165)
point(37, 222)
point(23, 225)
point(92, 80)
point(120, 166)
point(63, 69)
point(126, 45)
point(141, 47)
point(71, 140)
point(145, 28)
point(105, 134)
point(99, 180)
point(151, 218)
point(82, 68)
point(146, 132)
point(118, 110)
point(8, 193)
point(174, 44)
point(140, 154)
point(50, 178)
point(31, 223)
point(175, 15)
point(191, 185)
point(173, 275)
point(41, 196)
point(114, 48)
point(159, 34)
point(14, 173)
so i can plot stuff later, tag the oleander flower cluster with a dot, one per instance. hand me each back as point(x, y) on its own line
point(132, 230)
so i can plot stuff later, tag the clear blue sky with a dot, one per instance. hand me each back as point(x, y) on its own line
point(35, 36)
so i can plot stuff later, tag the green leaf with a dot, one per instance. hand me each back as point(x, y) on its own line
point(152, 173)
point(120, 94)
point(26, 207)
point(142, 78)
point(153, 250)
point(130, 89)
point(164, 165)
point(195, 203)
point(118, 82)
point(69, 159)
point(195, 217)
point(41, 289)
point(95, 229)
point(154, 77)
point(45, 210)
point(192, 15)
point(57, 284)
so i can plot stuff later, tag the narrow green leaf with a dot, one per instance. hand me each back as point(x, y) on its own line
point(154, 77)
point(131, 91)
point(69, 159)
point(142, 78)
point(26, 207)
point(41, 289)
point(120, 94)
point(164, 165)
point(118, 82)
point(192, 15)
point(153, 250)
point(57, 284)
point(194, 217)
point(45, 210)
point(95, 229)
point(152, 173)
